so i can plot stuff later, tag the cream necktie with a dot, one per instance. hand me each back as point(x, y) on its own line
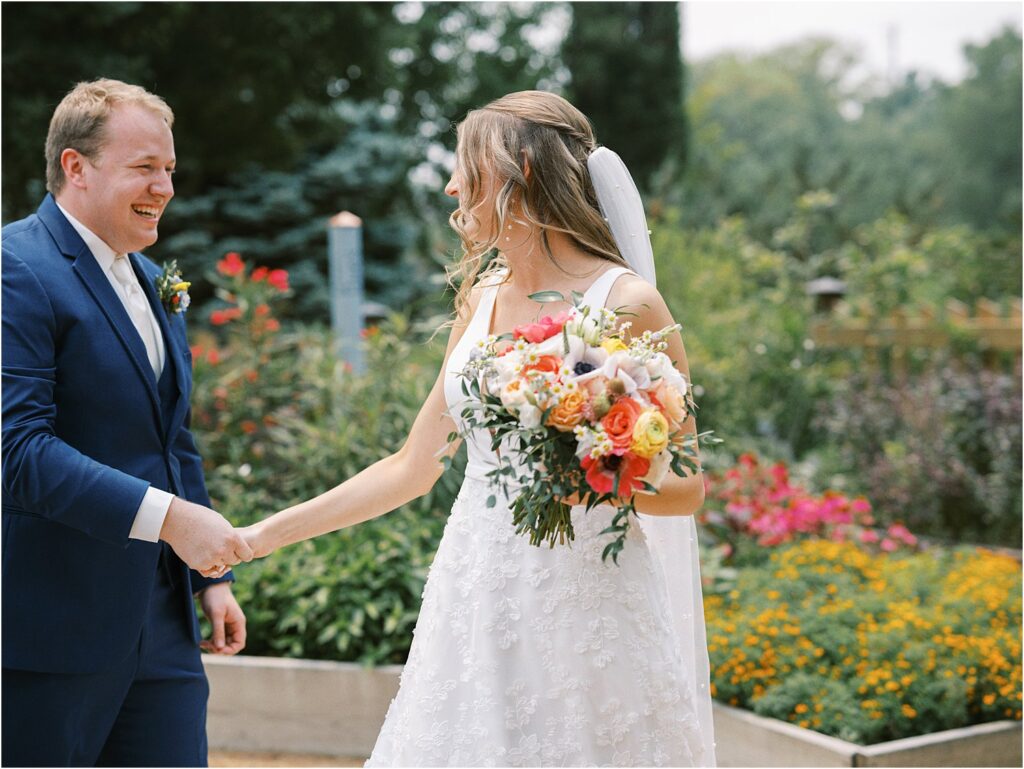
point(138, 310)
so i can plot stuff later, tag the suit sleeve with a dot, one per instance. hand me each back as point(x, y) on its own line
point(42, 475)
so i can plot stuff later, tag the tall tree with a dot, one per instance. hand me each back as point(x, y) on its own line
point(627, 76)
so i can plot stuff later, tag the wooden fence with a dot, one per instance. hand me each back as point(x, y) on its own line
point(991, 330)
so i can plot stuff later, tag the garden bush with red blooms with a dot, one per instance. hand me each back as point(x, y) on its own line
point(754, 506)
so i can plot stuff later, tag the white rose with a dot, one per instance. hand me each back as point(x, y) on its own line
point(508, 367)
point(529, 416)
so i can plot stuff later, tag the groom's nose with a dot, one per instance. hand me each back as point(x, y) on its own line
point(162, 186)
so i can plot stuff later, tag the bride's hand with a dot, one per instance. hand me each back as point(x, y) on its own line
point(256, 537)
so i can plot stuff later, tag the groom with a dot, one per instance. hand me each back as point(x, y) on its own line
point(105, 508)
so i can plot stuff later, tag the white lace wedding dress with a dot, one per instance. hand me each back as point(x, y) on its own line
point(530, 656)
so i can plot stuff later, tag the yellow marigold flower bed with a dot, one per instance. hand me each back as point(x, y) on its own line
point(871, 647)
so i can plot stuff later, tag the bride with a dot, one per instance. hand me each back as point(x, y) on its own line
point(524, 655)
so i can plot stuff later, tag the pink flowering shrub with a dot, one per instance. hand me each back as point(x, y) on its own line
point(755, 506)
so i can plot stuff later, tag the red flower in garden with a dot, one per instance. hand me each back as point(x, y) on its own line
point(248, 427)
point(258, 274)
point(213, 356)
point(220, 317)
point(272, 324)
point(231, 264)
point(629, 467)
point(261, 309)
point(278, 279)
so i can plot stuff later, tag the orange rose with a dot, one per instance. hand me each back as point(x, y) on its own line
point(569, 412)
point(547, 364)
point(620, 421)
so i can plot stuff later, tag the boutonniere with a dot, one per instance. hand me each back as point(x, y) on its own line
point(172, 290)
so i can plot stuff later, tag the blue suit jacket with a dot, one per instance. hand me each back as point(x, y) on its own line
point(83, 439)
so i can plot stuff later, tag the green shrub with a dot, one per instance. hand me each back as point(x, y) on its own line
point(941, 452)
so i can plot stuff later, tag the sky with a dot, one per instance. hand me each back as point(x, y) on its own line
point(894, 37)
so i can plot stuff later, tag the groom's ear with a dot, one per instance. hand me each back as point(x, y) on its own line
point(72, 162)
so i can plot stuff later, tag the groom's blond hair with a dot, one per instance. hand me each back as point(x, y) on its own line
point(80, 120)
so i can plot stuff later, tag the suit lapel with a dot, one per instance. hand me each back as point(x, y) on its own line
point(172, 343)
point(97, 284)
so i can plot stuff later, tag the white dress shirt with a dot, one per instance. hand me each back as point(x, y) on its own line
point(151, 514)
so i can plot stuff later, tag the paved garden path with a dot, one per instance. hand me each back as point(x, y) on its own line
point(239, 758)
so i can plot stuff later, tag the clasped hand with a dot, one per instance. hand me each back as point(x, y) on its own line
point(203, 538)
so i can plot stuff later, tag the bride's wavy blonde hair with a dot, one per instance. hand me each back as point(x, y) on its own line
point(555, 138)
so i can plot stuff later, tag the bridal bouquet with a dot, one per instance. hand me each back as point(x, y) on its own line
point(576, 407)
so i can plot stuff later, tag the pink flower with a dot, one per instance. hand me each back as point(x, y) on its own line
point(868, 536)
point(545, 328)
point(889, 545)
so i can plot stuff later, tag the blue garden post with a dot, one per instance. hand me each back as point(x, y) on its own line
point(345, 256)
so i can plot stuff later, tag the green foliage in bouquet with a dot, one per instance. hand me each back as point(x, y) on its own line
point(870, 647)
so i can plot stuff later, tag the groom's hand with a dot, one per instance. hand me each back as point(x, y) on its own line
point(226, 618)
point(202, 537)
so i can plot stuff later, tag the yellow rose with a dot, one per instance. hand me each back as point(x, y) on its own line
point(182, 286)
point(569, 411)
point(613, 345)
point(650, 434)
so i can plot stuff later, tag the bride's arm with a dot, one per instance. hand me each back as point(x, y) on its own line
point(380, 488)
point(677, 496)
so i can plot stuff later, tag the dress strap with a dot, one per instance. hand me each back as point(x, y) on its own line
point(480, 323)
point(597, 294)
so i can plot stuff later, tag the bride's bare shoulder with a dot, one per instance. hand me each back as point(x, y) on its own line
point(633, 293)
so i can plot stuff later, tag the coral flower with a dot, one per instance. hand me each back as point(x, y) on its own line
point(619, 422)
point(630, 468)
point(546, 364)
point(545, 328)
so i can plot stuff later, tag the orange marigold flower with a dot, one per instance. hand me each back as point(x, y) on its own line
point(248, 427)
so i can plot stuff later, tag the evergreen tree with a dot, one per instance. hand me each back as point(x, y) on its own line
point(627, 76)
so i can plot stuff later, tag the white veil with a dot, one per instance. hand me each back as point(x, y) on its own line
point(672, 539)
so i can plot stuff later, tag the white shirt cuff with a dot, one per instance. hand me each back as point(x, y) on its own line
point(150, 518)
